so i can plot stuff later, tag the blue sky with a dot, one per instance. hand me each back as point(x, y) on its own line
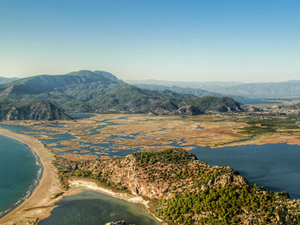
point(203, 40)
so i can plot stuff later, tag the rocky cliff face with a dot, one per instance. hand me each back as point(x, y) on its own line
point(157, 177)
point(35, 110)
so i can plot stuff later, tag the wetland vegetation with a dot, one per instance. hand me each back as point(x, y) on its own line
point(259, 124)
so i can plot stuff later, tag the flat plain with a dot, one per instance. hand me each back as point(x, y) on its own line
point(112, 135)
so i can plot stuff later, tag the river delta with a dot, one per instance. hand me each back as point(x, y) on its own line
point(106, 136)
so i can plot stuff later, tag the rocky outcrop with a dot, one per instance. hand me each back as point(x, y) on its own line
point(189, 110)
point(35, 110)
point(229, 178)
point(249, 108)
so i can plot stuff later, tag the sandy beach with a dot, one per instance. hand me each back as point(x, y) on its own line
point(40, 203)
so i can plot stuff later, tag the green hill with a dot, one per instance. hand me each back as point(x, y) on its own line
point(33, 110)
point(183, 90)
point(210, 103)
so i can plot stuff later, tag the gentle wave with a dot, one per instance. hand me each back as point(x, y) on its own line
point(32, 187)
point(26, 195)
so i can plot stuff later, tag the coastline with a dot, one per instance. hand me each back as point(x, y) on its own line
point(40, 203)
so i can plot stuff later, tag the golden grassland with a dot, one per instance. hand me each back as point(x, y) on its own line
point(156, 133)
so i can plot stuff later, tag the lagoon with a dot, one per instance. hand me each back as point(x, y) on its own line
point(90, 207)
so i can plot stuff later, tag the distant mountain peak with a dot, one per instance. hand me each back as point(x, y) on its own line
point(105, 74)
point(93, 73)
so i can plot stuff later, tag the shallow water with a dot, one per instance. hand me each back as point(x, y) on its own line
point(91, 208)
point(20, 171)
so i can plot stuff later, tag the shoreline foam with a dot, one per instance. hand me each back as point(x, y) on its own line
point(40, 202)
point(32, 187)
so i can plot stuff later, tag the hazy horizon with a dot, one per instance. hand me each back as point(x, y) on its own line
point(238, 41)
point(160, 80)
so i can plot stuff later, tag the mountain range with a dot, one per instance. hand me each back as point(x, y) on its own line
point(271, 89)
point(183, 90)
point(102, 92)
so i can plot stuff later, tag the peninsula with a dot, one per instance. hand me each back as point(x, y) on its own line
point(189, 191)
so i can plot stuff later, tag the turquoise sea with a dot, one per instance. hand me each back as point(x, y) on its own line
point(20, 171)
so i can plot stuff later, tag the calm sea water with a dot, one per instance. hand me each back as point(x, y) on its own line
point(20, 171)
point(91, 207)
